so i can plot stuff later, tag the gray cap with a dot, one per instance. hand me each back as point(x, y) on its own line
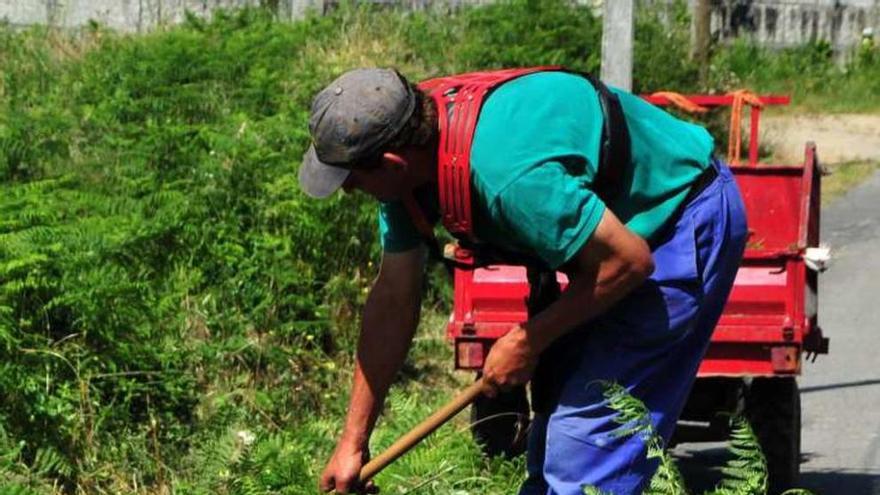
point(351, 120)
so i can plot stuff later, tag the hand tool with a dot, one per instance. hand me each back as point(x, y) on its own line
point(422, 430)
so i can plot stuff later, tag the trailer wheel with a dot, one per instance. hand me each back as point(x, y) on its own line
point(773, 406)
point(499, 425)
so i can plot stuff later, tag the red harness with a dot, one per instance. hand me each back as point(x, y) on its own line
point(464, 95)
point(459, 99)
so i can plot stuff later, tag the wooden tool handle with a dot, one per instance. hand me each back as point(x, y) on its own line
point(425, 428)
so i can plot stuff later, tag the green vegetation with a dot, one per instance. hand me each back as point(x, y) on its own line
point(844, 176)
point(808, 73)
point(745, 471)
point(175, 316)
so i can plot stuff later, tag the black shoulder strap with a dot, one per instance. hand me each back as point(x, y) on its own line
point(615, 152)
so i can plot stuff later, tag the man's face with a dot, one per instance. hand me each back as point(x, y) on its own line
point(385, 182)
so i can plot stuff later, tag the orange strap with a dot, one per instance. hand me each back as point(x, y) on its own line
point(681, 101)
point(734, 142)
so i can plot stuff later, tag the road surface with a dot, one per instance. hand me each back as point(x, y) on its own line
point(841, 390)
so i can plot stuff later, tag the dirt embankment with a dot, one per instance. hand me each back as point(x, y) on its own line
point(839, 138)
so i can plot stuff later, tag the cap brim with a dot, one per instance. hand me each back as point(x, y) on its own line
point(317, 179)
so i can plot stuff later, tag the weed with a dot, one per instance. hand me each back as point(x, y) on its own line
point(745, 472)
point(843, 176)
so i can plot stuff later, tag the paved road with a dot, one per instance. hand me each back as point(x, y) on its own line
point(840, 391)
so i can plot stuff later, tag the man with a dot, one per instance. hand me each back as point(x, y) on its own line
point(649, 268)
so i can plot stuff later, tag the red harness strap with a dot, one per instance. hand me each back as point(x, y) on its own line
point(459, 99)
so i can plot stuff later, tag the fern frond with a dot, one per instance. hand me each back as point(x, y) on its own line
point(636, 420)
point(746, 472)
point(667, 480)
point(632, 413)
point(49, 462)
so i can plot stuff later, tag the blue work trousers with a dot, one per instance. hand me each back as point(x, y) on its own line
point(651, 343)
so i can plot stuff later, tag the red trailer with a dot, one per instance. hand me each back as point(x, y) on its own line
point(757, 349)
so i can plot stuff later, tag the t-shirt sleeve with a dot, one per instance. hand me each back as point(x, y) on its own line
point(549, 212)
point(397, 233)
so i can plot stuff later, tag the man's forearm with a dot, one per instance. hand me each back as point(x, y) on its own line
point(584, 299)
point(615, 262)
point(387, 331)
point(612, 263)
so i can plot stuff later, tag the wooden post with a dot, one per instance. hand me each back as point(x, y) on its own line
point(617, 43)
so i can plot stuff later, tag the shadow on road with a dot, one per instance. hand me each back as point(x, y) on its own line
point(840, 482)
point(701, 468)
point(834, 386)
point(700, 464)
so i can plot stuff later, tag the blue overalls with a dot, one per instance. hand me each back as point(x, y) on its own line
point(652, 343)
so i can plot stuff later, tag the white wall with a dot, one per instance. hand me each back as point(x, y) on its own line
point(772, 22)
point(128, 15)
point(779, 23)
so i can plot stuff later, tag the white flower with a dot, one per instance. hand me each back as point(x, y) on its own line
point(245, 437)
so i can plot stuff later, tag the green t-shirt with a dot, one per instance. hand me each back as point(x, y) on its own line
point(533, 161)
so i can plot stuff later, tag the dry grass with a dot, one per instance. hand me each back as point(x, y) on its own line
point(364, 41)
point(844, 176)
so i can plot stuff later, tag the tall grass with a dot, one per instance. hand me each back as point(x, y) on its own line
point(166, 291)
point(808, 73)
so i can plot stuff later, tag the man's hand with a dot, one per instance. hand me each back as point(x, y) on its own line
point(511, 362)
point(343, 470)
point(612, 263)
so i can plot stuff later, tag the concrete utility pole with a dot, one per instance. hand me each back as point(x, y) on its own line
point(617, 43)
point(701, 36)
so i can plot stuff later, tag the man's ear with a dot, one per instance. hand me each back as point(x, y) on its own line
point(394, 160)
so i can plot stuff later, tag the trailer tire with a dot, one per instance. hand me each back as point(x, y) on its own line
point(499, 425)
point(773, 407)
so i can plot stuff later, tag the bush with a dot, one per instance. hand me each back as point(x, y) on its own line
point(154, 244)
point(808, 73)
